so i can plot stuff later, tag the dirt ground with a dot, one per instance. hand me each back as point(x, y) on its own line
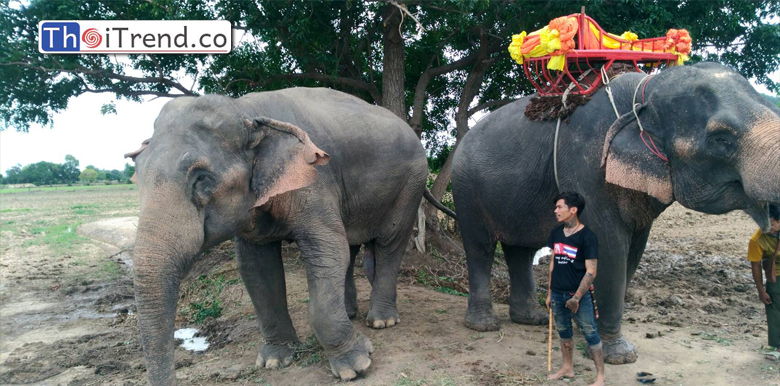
point(67, 313)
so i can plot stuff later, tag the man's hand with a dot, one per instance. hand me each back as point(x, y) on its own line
point(573, 304)
point(764, 297)
point(548, 300)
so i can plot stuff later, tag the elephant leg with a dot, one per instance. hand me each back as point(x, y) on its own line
point(383, 311)
point(389, 247)
point(524, 306)
point(635, 252)
point(610, 289)
point(263, 275)
point(350, 292)
point(480, 249)
point(326, 254)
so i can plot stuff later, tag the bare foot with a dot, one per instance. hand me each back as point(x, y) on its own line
point(563, 373)
point(599, 381)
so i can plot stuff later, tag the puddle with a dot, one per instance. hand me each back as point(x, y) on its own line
point(191, 342)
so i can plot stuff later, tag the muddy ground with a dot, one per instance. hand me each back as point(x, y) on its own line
point(67, 313)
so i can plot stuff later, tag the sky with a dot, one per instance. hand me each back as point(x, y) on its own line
point(81, 131)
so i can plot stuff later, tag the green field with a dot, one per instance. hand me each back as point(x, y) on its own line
point(66, 188)
point(38, 230)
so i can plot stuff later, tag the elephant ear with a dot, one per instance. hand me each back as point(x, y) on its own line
point(630, 164)
point(133, 154)
point(284, 158)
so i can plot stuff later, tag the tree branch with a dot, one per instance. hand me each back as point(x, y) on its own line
point(404, 10)
point(422, 83)
point(109, 75)
point(344, 81)
point(482, 106)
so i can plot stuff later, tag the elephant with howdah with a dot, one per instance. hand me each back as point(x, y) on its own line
point(251, 169)
point(721, 142)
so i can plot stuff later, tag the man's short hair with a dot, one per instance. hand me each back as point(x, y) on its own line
point(572, 199)
point(774, 212)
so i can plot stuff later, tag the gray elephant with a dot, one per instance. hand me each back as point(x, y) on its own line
point(709, 141)
point(219, 168)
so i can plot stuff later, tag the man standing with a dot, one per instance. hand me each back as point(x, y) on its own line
point(572, 270)
point(763, 246)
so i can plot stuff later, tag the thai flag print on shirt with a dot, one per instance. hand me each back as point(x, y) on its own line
point(565, 250)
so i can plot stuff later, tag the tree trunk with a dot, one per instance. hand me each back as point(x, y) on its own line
point(470, 91)
point(393, 96)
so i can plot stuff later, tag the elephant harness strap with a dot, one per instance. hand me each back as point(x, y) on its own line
point(605, 80)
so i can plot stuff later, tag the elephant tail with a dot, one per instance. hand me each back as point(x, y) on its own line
point(437, 204)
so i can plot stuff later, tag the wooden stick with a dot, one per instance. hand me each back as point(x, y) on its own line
point(549, 344)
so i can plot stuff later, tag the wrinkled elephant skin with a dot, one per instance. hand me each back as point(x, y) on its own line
point(722, 141)
point(314, 166)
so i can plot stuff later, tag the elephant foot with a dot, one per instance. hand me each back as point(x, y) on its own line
point(530, 315)
point(481, 321)
point(617, 350)
point(383, 318)
point(274, 356)
point(354, 361)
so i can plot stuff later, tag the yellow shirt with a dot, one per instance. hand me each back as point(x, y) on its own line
point(762, 246)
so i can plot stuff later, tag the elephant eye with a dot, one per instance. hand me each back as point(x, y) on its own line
point(202, 187)
point(723, 143)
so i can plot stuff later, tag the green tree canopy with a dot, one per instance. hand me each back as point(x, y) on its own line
point(88, 175)
point(434, 63)
point(44, 173)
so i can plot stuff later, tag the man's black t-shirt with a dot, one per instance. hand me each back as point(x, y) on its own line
point(569, 254)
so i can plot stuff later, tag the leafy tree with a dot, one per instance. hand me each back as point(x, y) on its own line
point(88, 175)
point(128, 172)
point(114, 175)
point(33, 86)
point(433, 63)
point(13, 175)
point(70, 169)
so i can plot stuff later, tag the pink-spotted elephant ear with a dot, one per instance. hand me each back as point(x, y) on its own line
point(285, 158)
point(134, 154)
point(630, 164)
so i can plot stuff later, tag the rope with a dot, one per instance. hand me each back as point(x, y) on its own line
point(605, 80)
point(653, 148)
point(633, 102)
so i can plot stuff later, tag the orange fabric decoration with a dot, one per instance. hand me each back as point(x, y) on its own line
point(567, 28)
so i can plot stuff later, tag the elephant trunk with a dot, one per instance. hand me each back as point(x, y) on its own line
point(760, 160)
point(167, 242)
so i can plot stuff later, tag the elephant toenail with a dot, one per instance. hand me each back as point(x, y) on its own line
point(272, 363)
point(362, 363)
point(347, 374)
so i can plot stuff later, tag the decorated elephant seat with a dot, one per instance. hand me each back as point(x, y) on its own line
point(554, 61)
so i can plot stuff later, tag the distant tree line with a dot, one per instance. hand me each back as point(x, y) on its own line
point(49, 173)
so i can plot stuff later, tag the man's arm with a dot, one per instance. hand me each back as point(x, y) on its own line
point(591, 266)
point(755, 253)
point(757, 277)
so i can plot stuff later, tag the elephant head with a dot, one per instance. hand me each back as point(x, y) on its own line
point(710, 141)
point(208, 164)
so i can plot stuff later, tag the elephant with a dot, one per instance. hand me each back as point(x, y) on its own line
point(699, 135)
point(251, 169)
